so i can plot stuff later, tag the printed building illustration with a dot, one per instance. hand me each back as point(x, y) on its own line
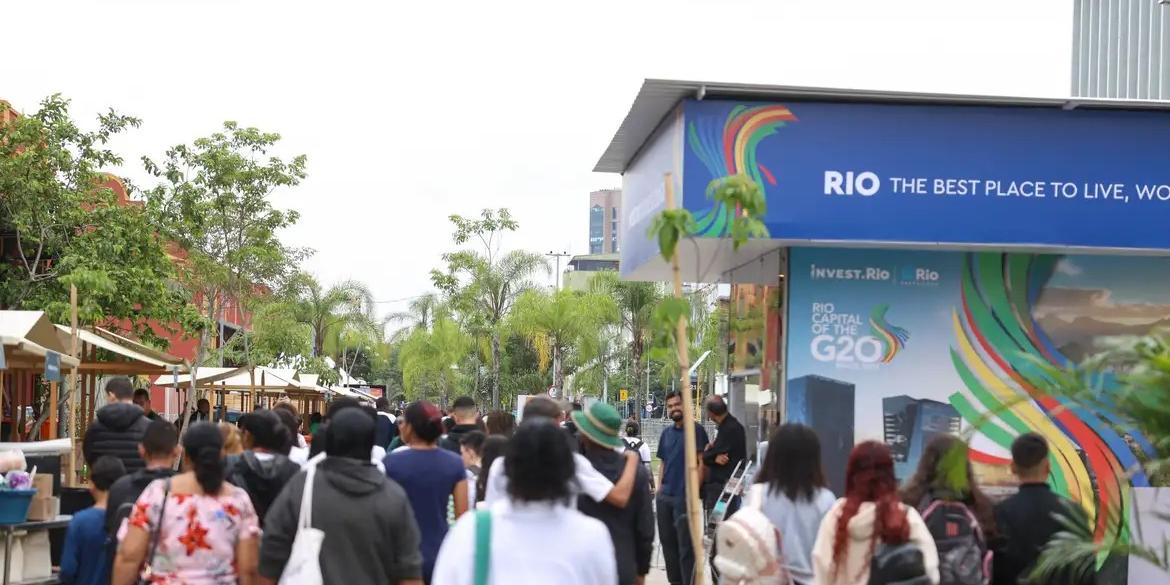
point(826, 405)
point(911, 423)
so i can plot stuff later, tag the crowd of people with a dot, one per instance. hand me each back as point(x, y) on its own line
point(415, 496)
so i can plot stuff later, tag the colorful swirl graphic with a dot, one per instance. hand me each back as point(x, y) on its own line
point(893, 338)
point(731, 150)
point(998, 352)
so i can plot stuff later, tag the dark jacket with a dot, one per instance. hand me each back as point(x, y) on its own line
point(116, 430)
point(454, 436)
point(731, 440)
point(371, 537)
point(262, 479)
point(126, 491)
point(631, 528)
point(1026, 522)
point(385, 431)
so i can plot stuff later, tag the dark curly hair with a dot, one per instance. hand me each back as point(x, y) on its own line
point(538, 463)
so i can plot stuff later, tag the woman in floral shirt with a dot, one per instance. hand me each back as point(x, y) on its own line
point(208, 533)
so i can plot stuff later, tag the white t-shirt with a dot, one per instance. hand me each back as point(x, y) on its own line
point(532, 544)
point(589, 481)
point(643, 449)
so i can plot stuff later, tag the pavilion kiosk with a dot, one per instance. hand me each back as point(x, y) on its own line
point(930, 253)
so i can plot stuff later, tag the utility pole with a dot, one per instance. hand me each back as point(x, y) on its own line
point(558, 256)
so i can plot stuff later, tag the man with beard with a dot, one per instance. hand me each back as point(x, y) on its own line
point(673, 525)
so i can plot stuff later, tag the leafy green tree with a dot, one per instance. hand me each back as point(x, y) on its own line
point(61, 224)
point(430, 358)
point(328, 310)
point(562, 327)
point(483, 285)
point(213, 196)
point(278, 338)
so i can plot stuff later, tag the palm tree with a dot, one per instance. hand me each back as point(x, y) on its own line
point(429, 358)
point(636, 302)
point(562, 323)
point(419, 314)
point(328, 310)
point(493, 286)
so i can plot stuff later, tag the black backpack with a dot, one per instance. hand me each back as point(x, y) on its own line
point(261, 490)
point(898, 564)
point(963, 555)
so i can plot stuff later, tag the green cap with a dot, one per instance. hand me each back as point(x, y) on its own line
point(600, 422)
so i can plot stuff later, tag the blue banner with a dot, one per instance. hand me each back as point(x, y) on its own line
point(923, 174)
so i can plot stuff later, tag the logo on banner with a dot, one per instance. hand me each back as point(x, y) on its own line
point(839, 337)
point(918, 276)
point(892, 337)
point(839, 273)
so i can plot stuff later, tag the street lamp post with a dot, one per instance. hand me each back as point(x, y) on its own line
point(558, 256)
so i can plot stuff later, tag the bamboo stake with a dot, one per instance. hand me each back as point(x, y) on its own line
point(74, 391)
point(694, 508)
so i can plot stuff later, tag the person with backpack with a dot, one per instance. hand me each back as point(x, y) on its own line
point(790, 494)
point(959, 516)
point(263, 468)
point(159, 449)
point(632, 527)
point(869, 537)
point(634, 442)
point(387, 424)
point(371, 537)
point(117, 428)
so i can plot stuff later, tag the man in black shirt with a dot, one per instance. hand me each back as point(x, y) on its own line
point(727, 451)
point(1028, 520)
point(142, 399)
point(159, 449)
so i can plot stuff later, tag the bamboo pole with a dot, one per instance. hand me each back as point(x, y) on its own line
point(74, 391)
point(53, 407)
point(694, 508)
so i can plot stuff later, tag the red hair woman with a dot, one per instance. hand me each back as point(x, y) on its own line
point(870, 514)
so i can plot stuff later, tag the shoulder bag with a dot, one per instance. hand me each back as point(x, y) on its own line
point(304, 562)
point(483, 546)
point(144, 577)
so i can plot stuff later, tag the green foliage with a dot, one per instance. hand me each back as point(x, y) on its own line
point(427, 357)
point(64, 225)
point(481, 286)
point(744, 201)
point(330, 311)
point(1139, 398)
point(563, 326)
point(277, 338)
point(213, 198)
point(669, 227)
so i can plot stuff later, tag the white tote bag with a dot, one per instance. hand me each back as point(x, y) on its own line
point(304, 564)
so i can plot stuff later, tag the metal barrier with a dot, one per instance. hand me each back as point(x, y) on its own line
point(652, 430)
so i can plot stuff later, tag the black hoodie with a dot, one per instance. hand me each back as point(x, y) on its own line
point(371, 537)
point(116, 430)
point(261, 478)
point(453, 438)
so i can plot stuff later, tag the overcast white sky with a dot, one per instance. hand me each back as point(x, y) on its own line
point(410, 110)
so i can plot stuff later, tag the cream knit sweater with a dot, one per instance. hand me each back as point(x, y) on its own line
point(857, 555)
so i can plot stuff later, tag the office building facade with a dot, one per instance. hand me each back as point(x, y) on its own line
point(605, 211)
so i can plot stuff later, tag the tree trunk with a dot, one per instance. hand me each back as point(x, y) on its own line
point(495, 370)
point(636, 355)
point(694, 507)
point(558, 371)
point(200, 355)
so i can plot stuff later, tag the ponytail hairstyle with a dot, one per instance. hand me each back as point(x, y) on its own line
point(203, 447)
point(869, 477)
point(425, 420)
